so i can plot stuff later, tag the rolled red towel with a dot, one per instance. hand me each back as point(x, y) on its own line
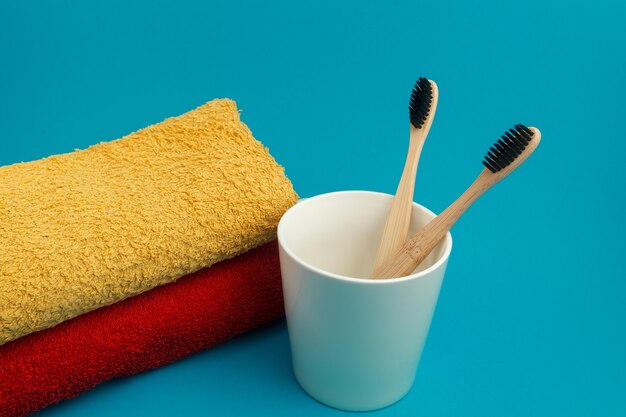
point(140, 333)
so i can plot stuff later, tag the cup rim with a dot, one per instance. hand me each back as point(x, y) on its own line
point(442, 259)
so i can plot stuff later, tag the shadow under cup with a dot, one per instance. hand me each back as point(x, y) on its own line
point(355, 342)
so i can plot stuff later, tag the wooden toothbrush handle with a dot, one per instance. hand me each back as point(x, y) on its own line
point(419, 246)
point(399, 216)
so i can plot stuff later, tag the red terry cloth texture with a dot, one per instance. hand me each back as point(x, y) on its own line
point(141, 333)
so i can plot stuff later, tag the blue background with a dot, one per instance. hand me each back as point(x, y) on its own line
point(532, 315)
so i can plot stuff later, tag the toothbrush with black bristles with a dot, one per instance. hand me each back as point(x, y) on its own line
point(502, 158)
point(422, 107)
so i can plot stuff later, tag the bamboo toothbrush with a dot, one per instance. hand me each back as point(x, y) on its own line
point(422, 106)
point(502, 158)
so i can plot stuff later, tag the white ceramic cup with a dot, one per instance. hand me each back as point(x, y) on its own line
point(355, 342)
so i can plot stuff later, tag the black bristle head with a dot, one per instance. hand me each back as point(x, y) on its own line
point(421, 100)
point(507, 148)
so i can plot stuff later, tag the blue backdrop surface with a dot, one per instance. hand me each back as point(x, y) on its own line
point(532, 315)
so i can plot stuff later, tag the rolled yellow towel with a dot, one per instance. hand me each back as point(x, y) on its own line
point(89, 228)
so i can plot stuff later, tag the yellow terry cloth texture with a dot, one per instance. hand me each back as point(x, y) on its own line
point(86, 229)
